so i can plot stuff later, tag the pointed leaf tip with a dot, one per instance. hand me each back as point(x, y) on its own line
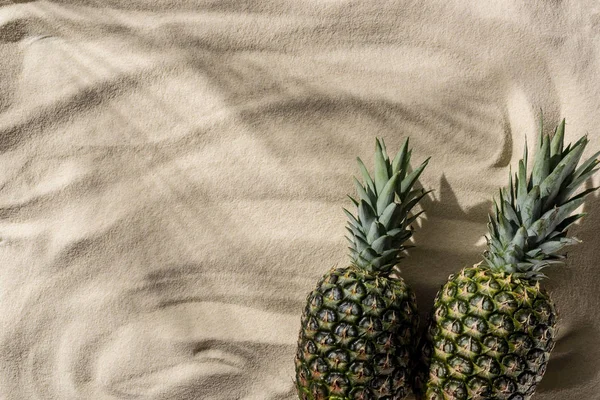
point(399, 160)
point(381, 169)
point(556, 145)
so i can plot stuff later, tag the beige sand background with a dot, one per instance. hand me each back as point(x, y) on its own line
point(173, 174)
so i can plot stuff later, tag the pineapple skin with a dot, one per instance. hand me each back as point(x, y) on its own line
point(357, 338)
point(489, 337)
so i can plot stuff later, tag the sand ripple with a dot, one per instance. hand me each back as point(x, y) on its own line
point(174, 171)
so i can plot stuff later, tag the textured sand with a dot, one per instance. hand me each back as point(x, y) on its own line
point(173, 174)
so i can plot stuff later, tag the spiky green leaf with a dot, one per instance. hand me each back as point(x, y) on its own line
point(387, 216)
point(408, 182)
point(399, 160)
point(528, 226)
point(387, 194)
point(556, 146)
point(381, 244)
point(381, 169)
point(366, 214)
point(542, 162)
point(365, 174)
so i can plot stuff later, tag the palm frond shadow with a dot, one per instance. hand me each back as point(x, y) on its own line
point(445, 243)
point(575, 360)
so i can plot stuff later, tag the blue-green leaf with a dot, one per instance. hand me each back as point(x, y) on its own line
point(386, 217)
point(381, 170)
point(556, 147)
point(541, 166)
point(410, 180)
point(365, 174)
point(381, 244)
point(366, 214)
point(387, 194)
point(399, 160)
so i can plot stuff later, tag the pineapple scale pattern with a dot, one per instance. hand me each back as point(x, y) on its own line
point(489, 337)
point(357, 338)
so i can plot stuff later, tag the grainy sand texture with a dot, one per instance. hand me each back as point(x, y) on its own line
point(173, 175)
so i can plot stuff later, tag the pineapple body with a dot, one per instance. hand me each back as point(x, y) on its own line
point(358, 329)
point(357, 338)
point(490, 336)
point(492, 328)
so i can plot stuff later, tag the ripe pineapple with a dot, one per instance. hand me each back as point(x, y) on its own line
point(492, 327)
point(358, 330)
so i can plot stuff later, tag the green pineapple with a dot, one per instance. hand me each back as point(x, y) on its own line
point(492, 327)
point(359, 326)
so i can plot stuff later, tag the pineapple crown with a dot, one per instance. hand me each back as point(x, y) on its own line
point(528, 226)
point(383, 205)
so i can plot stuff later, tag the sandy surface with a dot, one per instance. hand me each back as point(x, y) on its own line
point(174, 172)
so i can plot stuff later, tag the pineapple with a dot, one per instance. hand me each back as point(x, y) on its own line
point(358, 329)
point(493, 327)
